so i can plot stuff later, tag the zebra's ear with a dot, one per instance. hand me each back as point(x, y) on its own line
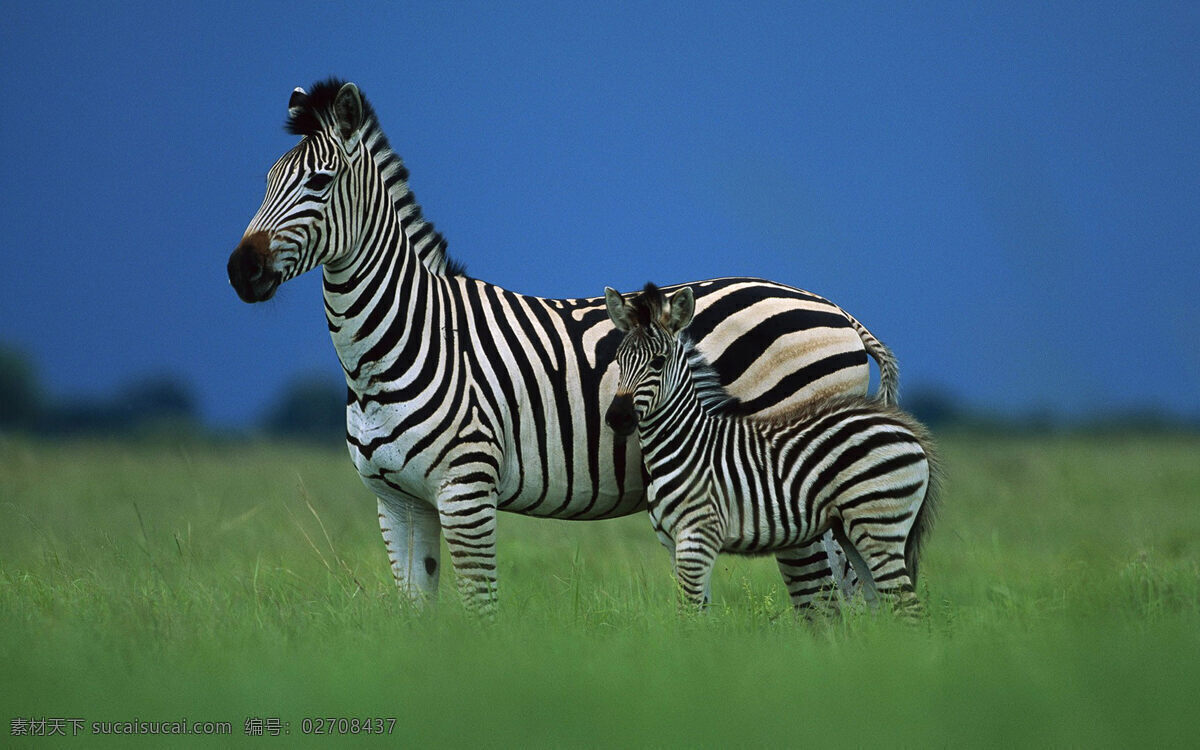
point(297, 101)
point(348, 109)
point(617, 312)
point(681, 307)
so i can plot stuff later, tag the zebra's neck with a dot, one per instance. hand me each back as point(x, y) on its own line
point(426, 242)
point(385, 307)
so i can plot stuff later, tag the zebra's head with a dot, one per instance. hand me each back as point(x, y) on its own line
point(292, 231)
point(651, 358)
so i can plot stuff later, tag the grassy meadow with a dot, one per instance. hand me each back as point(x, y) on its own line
point(161, 581)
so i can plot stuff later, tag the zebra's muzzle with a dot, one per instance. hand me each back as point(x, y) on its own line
point(621, 416)
point(250, 271)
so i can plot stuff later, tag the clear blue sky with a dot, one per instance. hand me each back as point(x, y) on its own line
point(1006, 194)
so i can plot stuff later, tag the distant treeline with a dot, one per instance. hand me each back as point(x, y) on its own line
point(941, 411)
point(309, 408)
point(312, 409)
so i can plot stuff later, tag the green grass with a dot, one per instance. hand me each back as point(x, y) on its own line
point(220, 583)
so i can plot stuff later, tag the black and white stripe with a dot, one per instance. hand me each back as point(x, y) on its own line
point(750, 485)
point(465, 398)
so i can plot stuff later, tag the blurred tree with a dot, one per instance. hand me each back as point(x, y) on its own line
point(310, 408)
point(21, 402)
point(157, 398)
point(160, 406)
point(935, 407)
point(156, 405)
point(84, 416)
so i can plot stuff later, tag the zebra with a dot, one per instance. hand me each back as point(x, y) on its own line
point(464, 398)
point(748, 485)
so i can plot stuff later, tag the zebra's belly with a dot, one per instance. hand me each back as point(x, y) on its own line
point(548, 497)
point(537, 480)
point(578, 487)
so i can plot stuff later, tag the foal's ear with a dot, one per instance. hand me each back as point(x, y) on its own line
point(617, 312)
point(681, 308)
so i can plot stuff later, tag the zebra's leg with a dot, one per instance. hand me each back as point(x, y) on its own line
point(469, 525)
point(695, 554)
point(884, 555)
point(412, 536)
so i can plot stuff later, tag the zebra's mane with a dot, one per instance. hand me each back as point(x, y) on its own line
point(315, 115)
point(647, 307)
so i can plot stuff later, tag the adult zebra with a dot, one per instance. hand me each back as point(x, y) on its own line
point(464, 398)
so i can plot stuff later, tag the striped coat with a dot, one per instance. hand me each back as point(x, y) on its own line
point(465, 399)
point(755, 485)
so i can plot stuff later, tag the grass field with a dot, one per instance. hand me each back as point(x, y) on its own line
point(164, 581)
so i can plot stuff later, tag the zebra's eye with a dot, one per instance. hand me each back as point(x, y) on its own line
point(318, 182)
point(657, 362)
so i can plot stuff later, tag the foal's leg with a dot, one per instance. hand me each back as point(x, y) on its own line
point(806, 572)
point(695, 554)
point(883, 551)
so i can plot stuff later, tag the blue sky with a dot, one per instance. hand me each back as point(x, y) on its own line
point(1004, 193)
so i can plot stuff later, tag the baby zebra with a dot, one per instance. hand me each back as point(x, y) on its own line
point(725, 483)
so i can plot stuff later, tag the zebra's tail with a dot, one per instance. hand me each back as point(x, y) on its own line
point(889, 368)
point(929, 505)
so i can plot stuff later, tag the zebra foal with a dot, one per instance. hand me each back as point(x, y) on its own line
point(719, 483)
